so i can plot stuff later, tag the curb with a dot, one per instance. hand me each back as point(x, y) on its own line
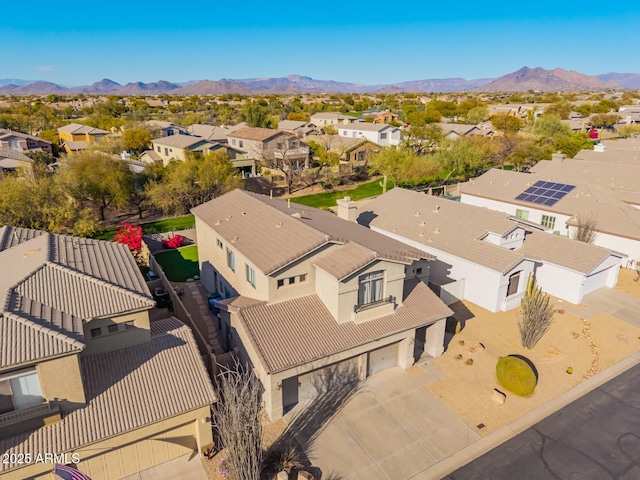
point(501, 435)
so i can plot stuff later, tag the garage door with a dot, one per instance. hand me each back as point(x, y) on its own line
point(383, 358)
point(121, 462)
point(328, 378)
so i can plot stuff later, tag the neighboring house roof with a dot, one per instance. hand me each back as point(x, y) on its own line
point(55, 283)
point(291, 124)
point(338, 144)
point(179, 141)
point(238, 215)
point(328, 115)
point(77, 129)
point(162, 124)
point(6, 133)
point(76, 146)
point(458, 229)
point(12, 159)
point(164, 378)
point(257, 134)
point(152, 155)
point(367, 127)
point(612, 204)
point(310, 332)
point(208, 132)
point(459, 129)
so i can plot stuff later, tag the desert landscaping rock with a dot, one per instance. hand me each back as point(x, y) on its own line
point(498, 397)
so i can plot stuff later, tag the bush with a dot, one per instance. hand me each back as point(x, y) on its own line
point(174, 242)
point(517, 375)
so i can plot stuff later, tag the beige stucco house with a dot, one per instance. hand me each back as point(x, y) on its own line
point(271, 146)
point(307, 291)
point(84, 374)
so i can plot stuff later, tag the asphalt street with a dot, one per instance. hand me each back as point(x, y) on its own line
point(597, 437)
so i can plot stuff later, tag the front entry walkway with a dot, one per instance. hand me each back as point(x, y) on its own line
point(391, 429)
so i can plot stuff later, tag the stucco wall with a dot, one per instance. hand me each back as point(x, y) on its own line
point(122, 338)
point(61, 382)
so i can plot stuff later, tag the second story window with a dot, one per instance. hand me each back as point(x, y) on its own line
point(20, 390)
point(219, 242)
point(370, 287)
point(251, 276)
point(231, 260)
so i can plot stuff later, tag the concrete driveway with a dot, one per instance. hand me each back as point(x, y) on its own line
point(391, 429)
point(618, 304)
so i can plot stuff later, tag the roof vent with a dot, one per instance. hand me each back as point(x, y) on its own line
point(234, 239)
point(279, 225)
point(416, 214)
point(421, 234)
point(244, 214)
point(217, 222)
point(228, 218)
point(437, 230)
point(422, 224)
point(296, 215)
point(435, 210)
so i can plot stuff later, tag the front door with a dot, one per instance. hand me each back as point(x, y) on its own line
point(289, 392)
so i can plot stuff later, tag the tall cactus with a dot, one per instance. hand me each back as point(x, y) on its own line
point(535, 314)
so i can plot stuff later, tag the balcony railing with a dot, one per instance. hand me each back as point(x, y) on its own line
point(366, 306)
point(16, 416)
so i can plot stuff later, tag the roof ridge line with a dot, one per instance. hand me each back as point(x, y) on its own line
point(51, 330)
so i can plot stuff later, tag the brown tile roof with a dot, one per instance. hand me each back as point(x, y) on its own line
point(238, 215)
point(345, 259)
point(444, 225)
point(76, 128)
point(55, 283)
point(126, 390)
point(310, 332)
point(578, 256)
point(258, 134)
point(612, 205)
point(179, 141)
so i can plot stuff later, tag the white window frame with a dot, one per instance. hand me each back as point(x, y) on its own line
point(371, 287)
point(251, 275)
point(231, 260)
point(548, 222)
point(31, 384)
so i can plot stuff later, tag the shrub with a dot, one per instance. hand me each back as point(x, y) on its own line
point(516, 375)
point(129, 235)
point(174, 242)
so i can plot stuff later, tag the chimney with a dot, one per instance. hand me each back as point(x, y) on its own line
point(347, 209)
point(558, 157)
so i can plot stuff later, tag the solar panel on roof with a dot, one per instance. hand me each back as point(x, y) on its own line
point(545, 193)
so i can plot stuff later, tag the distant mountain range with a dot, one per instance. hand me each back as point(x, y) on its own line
point(524, 79)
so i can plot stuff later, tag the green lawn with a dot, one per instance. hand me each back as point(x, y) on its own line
point(180, 264)
point(159, 226)
point(328, 199)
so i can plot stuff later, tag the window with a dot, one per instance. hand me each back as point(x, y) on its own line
point(523, 214)
point(113, 328)
point(419, 271)
point(303, 277)
point(166, 151)
point(370, 288)
point(383, 136)
point(251, 275)
point(240, 143)
point(292, 280)
point(514, 281)
point(281, 282)
point(14, 145)
point(219, 242)
point(159, 149)
point(361, 156)
point(548, 221)
point(231, 260)
point(233, 141)
point(354, 134)
point(19, 390)
point(96, 332)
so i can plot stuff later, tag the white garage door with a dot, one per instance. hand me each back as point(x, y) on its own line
point(383, 358)
point(327, 378)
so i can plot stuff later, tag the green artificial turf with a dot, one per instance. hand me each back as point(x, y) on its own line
point(179, 264)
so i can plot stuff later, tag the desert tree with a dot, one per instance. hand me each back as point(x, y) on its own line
point(237, 420)
point(536, 314)
point(587, 228)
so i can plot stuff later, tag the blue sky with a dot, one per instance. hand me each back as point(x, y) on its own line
point(370, 42)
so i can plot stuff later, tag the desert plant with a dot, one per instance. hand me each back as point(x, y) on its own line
point(535, 316)
point(586, 231)
point(516, 375)
point(237, 419)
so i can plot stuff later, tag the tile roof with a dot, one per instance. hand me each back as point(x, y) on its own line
point(54, 284)
point(208, 132)
point(152, 155)
point(238, 215)
point(125, 390)
point(310, 332)
point(14, 154)
point(460, 228)
point(612, 205)
point(258, 134)
point(179, 141)
point(345, 259)
point(366, 127)
point(76, 128)
point(444, 225)
point(6, 133)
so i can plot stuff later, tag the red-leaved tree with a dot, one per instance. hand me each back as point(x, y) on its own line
point(174, 242)
point(131, 236)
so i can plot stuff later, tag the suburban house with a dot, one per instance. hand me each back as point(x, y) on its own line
point(78, 137)
point(84, 374)
point(332, 118)
point(22, 142)
point(380, 134)
point(174, 147)
point(486, 256)
point(11, 160)
point(351, 151)
point(164, 129)
point(383, 117)
point(454, 131)
point(266, 145)
point(557, 194)
point(301, 129)
point(308, 293)
point(209, 132)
